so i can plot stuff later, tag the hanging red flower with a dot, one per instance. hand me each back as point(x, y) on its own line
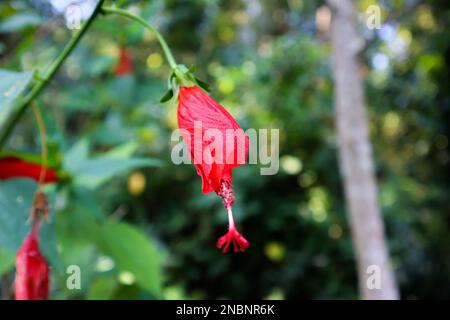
point(12, 167)
point(217, 144)
point(125, 64)
point(32, 271)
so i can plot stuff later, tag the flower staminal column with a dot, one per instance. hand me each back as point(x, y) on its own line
point(240, 244)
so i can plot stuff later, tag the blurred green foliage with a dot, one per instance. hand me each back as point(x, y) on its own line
point(139, 226)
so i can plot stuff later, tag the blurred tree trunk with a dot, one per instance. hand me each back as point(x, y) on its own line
point(355, 155)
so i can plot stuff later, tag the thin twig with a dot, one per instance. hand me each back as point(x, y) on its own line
point(43, 136)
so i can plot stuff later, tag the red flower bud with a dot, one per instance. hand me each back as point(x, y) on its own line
point(12, 167)
point(217, 144)
point(32, 271)
point(125, 64)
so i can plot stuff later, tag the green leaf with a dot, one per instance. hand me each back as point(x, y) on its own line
point(203, 84)
point(94, 172)
point(6, 261)
point(167, 96)
point(103, 288)
point(11, 85)
point(122, 90)
point(119, 3)
point(75, 155)
point(16, 197)
point(124, 150)
point(85, 200)
point(20, 21)
point(133, 252)
point(52, 162)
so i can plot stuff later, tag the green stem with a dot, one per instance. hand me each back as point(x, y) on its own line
point(158, 35)
point(24, 102)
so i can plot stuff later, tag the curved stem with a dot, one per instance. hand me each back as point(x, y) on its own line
point(159, 37)
point(54, 67)
point(43, 135)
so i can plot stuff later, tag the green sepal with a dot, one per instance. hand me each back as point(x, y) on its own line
point(167, 96)
point(203, 84)
point(192, 69)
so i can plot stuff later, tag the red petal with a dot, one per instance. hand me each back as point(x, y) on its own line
point(125, 64)
point(11, 167)
point(196, 107)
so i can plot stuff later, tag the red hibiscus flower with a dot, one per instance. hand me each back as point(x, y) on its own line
point(125, 63)
point(12, 167)
point(217, 144)
point(32, 271)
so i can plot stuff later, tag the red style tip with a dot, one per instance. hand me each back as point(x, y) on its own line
point(240, 244)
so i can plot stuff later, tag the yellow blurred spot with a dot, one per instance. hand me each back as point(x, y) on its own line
point(213, 67)
point(296, 4)
point(126, 277)
point(174, 293)
point(226, 34)
point(319, 215)
point(318, 204)
point(136, 183)
point(291, 165)
point(104, 264)
point(391, 123)
point(249, 68)
point(226, 85)
point(171, 116)
point(147, 134)
point(307, 179)
point(422, 147)
point(276, 294)
point(154, 61)
point(335, 231)
point(303, 211)
point(108, 48)
point(265, 50)
point(275, 251)
point(60, 34)
point(148, 36)
point(387, 197)
point(241, 17)
point(425, 17)
point(405, 35)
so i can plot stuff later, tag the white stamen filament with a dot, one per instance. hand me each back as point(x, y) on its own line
point(230, 219)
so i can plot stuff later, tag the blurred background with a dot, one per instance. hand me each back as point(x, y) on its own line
point(143, 229)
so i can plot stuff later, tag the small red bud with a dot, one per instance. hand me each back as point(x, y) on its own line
point(32, 271)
